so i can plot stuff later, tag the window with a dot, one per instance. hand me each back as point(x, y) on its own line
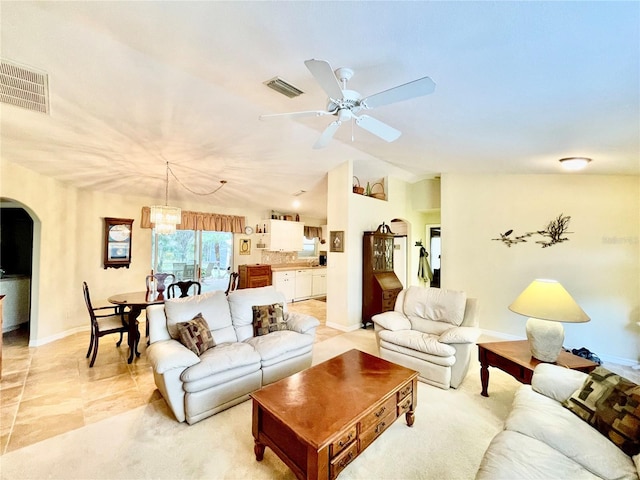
point(309, 248)
point(204, 256)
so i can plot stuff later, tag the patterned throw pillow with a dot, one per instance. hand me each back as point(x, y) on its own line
point(268, 318)
point(195, 335)
point(611, 404)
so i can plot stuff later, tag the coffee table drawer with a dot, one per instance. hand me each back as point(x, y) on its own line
point(404, 391)
point(381, 411)
point(341, 443)
point(369, 435)
point(345, 458)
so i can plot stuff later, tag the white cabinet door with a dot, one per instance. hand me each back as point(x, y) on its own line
point(303, 284)
point(286, 236)
point(319, 284)
point(285, 283)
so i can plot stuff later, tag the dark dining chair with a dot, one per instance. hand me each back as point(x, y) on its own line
point(233, 282)
point(105, 321)
point(184, 288)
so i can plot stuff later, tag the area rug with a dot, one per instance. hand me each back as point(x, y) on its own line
point(451, 432)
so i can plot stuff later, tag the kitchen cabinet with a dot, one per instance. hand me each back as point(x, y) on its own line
point(285, 283)
point(285, 236)
point(303, 284)
point(319, 283)
point(253, 276)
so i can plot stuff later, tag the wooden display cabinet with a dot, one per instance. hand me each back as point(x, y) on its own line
point(380, 285)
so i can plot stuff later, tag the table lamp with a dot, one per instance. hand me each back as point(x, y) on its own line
point(547, 303)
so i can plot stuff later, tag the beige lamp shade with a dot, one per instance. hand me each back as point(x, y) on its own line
point(548, 300)
point(547, 303)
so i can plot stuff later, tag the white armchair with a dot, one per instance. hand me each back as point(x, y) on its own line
point(432, 331)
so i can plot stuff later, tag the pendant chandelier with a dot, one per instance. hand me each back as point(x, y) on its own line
point(164, 217)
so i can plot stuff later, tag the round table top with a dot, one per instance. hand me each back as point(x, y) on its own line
point(137, 298)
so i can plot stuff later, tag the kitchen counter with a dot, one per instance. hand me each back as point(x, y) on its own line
point(288, 267)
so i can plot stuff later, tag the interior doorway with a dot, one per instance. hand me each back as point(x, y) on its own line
point(435, 249)
point(16, 262)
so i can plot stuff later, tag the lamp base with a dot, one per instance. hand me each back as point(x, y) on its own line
point(545, 339)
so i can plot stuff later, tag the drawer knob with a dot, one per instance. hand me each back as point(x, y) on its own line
point(380, 412)
point(345, 461)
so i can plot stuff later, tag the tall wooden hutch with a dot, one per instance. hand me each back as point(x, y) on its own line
point(380, 285)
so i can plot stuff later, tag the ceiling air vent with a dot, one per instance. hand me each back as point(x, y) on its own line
point(22, 87)
point(280, 86)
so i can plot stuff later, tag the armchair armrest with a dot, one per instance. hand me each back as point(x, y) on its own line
point(167, 355)
point(460, 335)
point(392, 320)
point(301, 323)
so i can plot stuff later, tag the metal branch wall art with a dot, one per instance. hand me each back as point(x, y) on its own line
point(552, 234)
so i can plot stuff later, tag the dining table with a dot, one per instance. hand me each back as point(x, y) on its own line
point(136, 301)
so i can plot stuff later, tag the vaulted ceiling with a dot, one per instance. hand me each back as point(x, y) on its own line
point(136, 84)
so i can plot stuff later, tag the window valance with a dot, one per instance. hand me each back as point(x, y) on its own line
point(201, 221)
point(312, 232)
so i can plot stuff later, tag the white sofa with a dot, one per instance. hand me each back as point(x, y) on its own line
point(196, 387)
point(430, 330)
point(544, 440)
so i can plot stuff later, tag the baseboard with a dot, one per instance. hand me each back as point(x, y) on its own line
point(43, 341)
point(343, 328)
point(627, 362)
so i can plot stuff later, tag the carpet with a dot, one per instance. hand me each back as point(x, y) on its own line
point(451, 432)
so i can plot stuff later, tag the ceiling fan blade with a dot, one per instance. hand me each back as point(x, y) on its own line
point(417, 88)
point(309, 113)
point(324, 75)
point(327, 135)
point(378, 128)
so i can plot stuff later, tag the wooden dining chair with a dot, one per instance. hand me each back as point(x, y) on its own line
point(233, 282)
point(184, 288)
point(105, 321)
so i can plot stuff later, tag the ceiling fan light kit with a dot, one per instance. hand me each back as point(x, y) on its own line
point(346, 104)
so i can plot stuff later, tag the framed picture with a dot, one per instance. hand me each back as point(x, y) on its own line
point(117, 242)
point(245, 246)
point(336, 241)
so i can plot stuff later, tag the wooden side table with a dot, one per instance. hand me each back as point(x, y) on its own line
point(515, 359)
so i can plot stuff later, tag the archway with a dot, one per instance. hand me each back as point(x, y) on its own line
point(19, 253)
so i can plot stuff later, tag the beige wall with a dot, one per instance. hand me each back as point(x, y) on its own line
point(355, 214)
point(599, 265)
point(68, 229)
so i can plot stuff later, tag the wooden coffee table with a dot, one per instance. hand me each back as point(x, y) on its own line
point(318, 420)
point(515, 359)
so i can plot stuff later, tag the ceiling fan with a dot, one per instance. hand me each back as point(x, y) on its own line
point(347, 104)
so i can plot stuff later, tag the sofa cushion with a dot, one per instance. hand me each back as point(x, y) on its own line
point(418, 341)
point(611, 404)
point(435, 304)
point(544, 419)
point(241, 304)
point(214, 308)
point(222, 360)
point(512, 455)
point(195, 335)
point(281, 345)
point(267, 319)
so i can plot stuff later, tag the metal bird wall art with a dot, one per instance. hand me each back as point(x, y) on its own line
point(553, 233)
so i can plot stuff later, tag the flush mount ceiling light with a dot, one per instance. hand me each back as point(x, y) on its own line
point(574, 163)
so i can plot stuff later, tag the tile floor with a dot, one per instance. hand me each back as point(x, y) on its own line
point(49, 390)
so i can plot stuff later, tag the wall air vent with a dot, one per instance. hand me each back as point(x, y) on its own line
point(23, 87)
point(280, 86)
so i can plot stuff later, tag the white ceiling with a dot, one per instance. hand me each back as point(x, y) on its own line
point(135, 84)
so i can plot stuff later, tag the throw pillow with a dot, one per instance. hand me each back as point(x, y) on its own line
point(195, 335)
point(268, 318)
point(611, 404)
